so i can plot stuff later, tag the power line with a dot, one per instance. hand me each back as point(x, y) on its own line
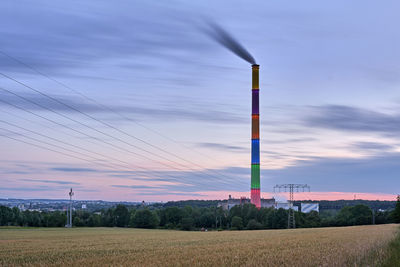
point(118, 113)
point(66, 143)
point(73, 156)
point(105, 107)
point(140, 167)
point(40, 123)
point(95, 162)
point(42, 147)
point(70, 128)
point(87, 126)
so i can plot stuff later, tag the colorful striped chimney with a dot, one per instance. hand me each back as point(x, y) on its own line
point(255, 140)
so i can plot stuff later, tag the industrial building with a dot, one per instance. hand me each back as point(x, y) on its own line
point(268, 203)
point(308, 207)
point(231, 202)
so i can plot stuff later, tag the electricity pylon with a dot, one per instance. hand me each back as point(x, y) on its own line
point(291, 188)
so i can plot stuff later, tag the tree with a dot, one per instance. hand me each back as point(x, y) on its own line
point(396, 212)
point(187, 223)
point(76, 221)
point(236, 223)
point(5, 215)
point(254, 225)
point(108, 218)
point(279, 219)
point(173, 215)
point(362, 215)
point(207, 219)
point(94, 220)
point(345, 217)
point(121, 214)
point(132, 218)
point(145, 219)
point(311, 219)
point(357, 215)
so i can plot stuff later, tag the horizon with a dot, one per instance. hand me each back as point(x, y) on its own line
point(333, 196)
point(139, 101)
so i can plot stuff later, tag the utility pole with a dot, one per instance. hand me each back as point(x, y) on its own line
point(291, 188)
point(71, 193)
point(67, 224)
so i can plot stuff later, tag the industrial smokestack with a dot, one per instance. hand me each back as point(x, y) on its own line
point(225, 39)
point(255, 139)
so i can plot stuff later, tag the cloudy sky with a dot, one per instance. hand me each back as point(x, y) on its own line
point(131, 100)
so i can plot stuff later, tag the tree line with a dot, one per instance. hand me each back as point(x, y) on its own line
point(240, 217)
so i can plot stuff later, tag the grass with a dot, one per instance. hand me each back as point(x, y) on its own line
point(393, 250)
point(344, 246)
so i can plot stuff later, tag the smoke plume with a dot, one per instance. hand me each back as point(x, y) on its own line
point(225, 39)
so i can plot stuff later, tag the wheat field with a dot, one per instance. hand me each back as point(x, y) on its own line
point(344, 246)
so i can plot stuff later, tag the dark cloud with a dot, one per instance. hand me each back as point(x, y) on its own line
point(51, 181)
point(372, 146)
point(162, 112)
point(137, 186)
point(171, 194)
point(223, 147)
point(67, 169)
point(155, 190)
point(28, 188)
point(292, 140)
point(192, 181)
point(378, 174)
point(65, 37)
point(346, 118)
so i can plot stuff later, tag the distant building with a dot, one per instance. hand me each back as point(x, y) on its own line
point(308, 207)
point(83, 206)
point(267, 202)
point(231, 202)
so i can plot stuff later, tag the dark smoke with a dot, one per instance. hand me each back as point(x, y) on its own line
point(225, 39)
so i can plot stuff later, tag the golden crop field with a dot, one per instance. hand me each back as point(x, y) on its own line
point(344, 246)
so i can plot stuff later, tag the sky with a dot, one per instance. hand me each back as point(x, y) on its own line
point(132, 100)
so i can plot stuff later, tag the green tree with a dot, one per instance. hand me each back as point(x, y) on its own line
point(108, 218)
point(357, 215)
point(94, 220)
point(76, 221)
point(207, 219)
point(145, 219)
point(187, 223)
point(237, 223)
point(132, 218)
point(345, 217)
point(173, 215)
point(396, 212)
point(5, 215)
point(310, 219)
point(121, 214)
point(278, 219)
point(254, 225)
point(362, 215)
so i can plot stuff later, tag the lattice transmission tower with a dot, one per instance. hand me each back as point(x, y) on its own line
point(291, 188)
